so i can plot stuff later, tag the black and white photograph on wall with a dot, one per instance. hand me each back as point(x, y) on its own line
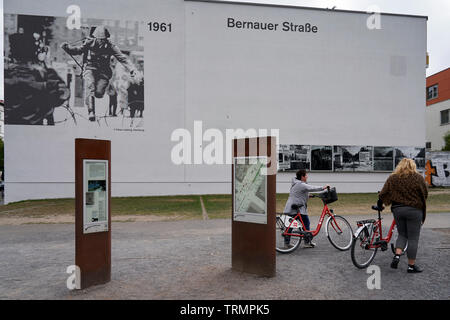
point(93, 75)
point(353, 158)
point(322, 158)
point(415, 153)
point(292, 157)
point(383, 158)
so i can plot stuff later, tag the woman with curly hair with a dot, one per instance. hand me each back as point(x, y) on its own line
point(406, 191)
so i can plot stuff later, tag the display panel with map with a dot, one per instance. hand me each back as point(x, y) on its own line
point(95, 213)
point(250, 189)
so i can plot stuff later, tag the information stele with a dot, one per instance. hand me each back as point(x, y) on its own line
point(254, 206)
point(95, 196)
point(250, 189)
point(93, 211)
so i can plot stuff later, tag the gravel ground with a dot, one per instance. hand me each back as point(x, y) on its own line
point(182, 260)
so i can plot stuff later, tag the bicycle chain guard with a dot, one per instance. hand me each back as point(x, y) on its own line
point(289, 222)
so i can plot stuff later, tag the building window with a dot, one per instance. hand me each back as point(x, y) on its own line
point(428, 145)
point(432, 92)
point(445, 116)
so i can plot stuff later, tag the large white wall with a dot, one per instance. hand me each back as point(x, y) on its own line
point(344, 85)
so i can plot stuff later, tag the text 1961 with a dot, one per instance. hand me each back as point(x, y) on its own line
point(159, 27)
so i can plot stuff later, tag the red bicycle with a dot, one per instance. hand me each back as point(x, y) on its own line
point(369, 238)
point(290, 229)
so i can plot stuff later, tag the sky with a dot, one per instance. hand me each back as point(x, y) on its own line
point(438, 12)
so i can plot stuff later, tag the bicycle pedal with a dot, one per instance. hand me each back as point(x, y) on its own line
point(308, 237)
point(381, 243)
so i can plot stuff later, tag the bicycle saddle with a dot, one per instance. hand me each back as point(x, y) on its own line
point(296, 206)
point(361, 222)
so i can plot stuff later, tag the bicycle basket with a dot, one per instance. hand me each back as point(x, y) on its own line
point(329, 196)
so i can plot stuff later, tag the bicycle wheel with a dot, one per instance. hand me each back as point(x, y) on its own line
point(339, 232)
point(282, 245)
point(361, 254)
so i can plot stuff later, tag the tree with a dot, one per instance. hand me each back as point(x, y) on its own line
point(447, 142)
point(2, 155)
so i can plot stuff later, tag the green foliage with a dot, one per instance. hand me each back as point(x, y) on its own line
point(447, 142)
point(2, 154)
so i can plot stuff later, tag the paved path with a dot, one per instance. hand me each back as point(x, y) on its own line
point(192, 260)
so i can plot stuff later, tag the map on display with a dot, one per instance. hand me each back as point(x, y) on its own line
point(95, 211)
point(250, 194)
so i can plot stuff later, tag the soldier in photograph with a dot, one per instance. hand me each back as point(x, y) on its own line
point(32, 89)
point(97, 51)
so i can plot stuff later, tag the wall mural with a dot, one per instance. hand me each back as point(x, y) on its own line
point(415, 153)
point(383, 158)
point(353, 158)
point(56, 76)
point(437, 169)
point(322, 158)
point(346, 158)
point(294, 157)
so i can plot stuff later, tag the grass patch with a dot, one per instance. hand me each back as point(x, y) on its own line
point(438, 202)
point(186, 206)
point(39, 208)
point(361, 203)
point(217, 206)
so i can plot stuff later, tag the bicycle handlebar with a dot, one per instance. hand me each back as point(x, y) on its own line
point(379, 206)
point(316, 196)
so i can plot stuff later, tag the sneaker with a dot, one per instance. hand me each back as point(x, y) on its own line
point(310, 245)
point(288, 246)
point(414, 269)
point(395, 261)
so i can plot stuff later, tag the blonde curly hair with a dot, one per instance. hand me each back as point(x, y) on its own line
point(405, 166)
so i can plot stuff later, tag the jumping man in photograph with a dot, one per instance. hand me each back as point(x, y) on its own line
point(97, 51)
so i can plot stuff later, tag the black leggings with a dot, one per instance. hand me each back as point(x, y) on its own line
point(409, 223)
